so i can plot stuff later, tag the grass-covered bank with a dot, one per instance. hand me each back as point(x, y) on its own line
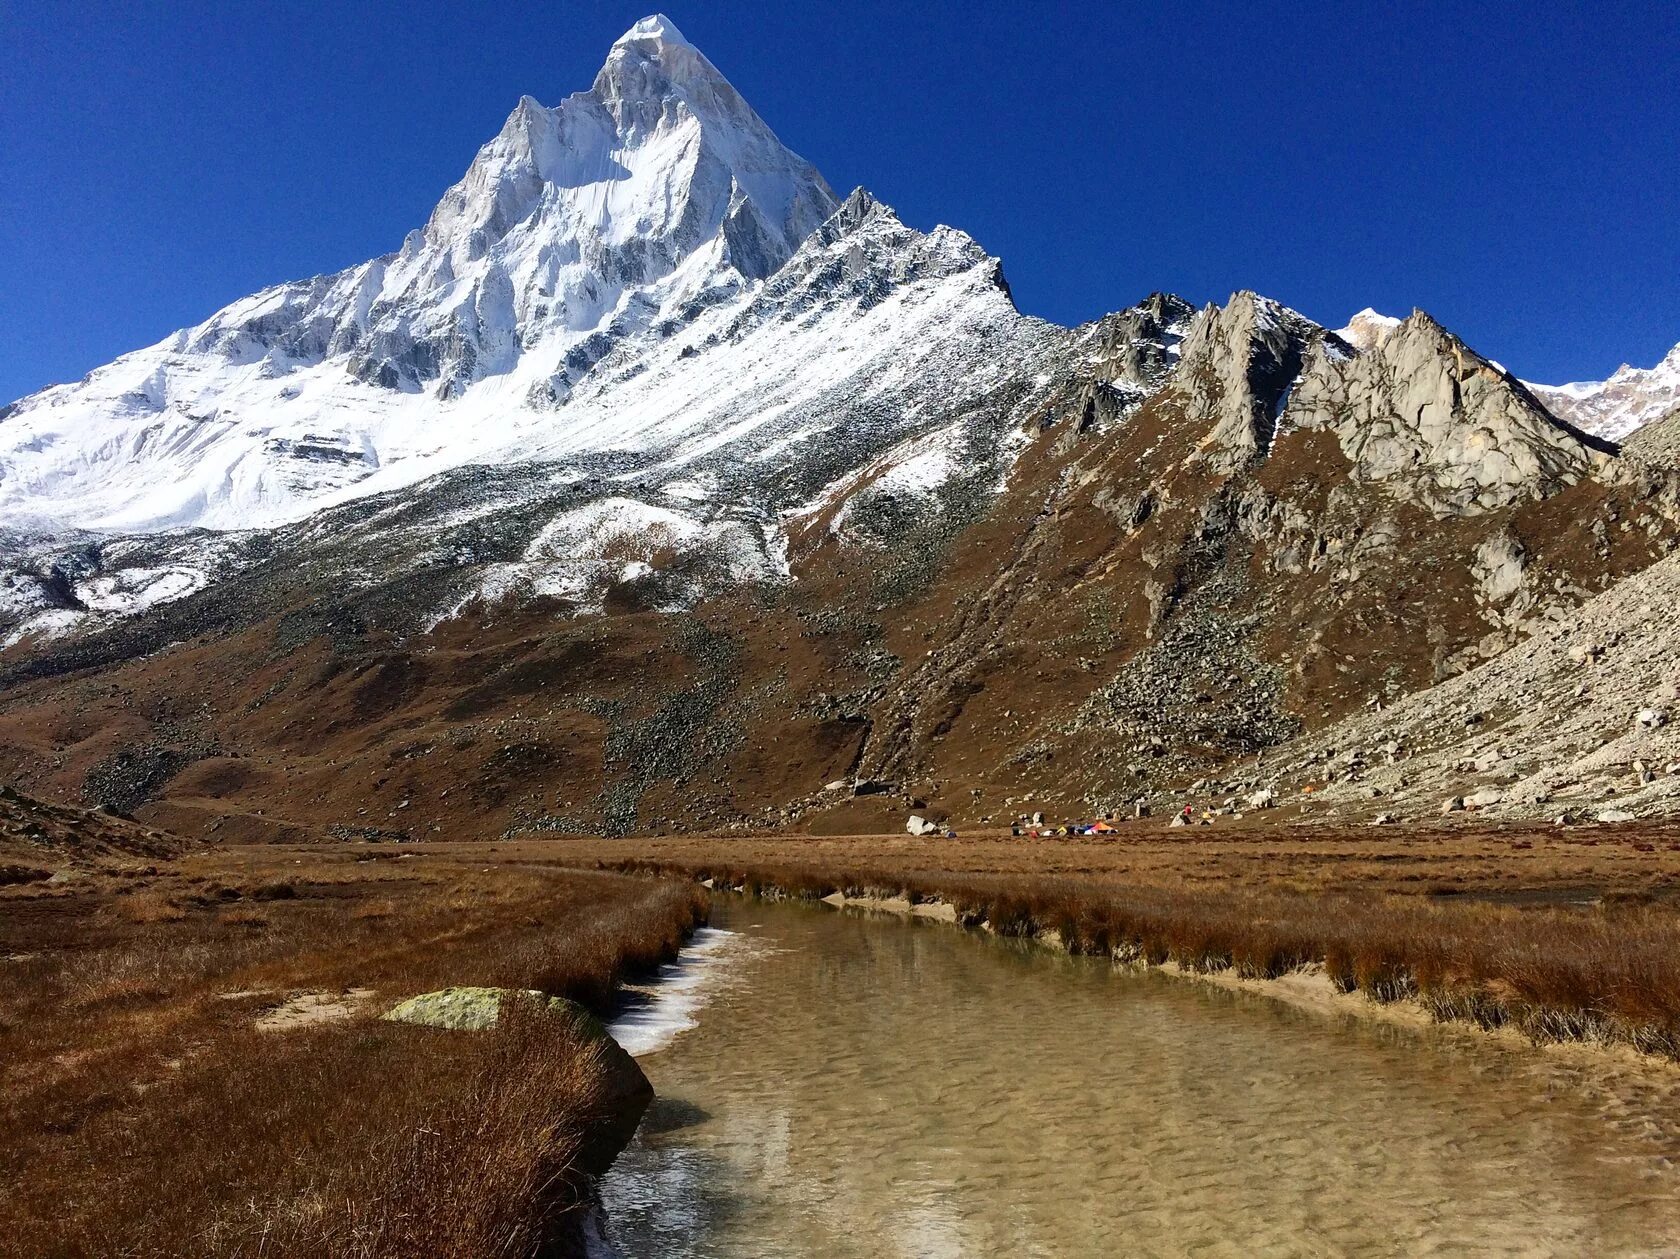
point(1607, 974)
point(193, 1061)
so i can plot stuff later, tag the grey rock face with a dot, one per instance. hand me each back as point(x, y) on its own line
point(1235, 370)
point(1438, 424)
point(1119, 360)
point(1134, 346)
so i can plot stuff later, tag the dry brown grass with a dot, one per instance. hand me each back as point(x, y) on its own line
point(1606, 972)
point(1530, 861)
point(145, 1113)
point(152, 908)
point(244, 917)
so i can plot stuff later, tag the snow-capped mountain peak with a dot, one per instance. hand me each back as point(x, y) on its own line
point(652, 62)
point(1366, 329)
point(614, 218)
point(618, 186)
point(1618, 407)
point(655, 29)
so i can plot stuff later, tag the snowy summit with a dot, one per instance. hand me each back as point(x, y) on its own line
point(652, 198)
point(639, 295)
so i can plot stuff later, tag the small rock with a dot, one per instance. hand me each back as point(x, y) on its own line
point(1615, 815)
point(1485, 798)
point(1652, 718)
point(1454, 804)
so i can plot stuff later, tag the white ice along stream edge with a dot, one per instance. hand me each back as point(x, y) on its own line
point(670, 1003)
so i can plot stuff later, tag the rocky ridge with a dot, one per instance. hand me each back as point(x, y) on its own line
point(757, 494)
point(1438, 423)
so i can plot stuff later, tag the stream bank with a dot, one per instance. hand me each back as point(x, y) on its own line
point(862, 1085)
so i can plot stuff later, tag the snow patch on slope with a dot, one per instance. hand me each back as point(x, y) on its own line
point(1366, 329)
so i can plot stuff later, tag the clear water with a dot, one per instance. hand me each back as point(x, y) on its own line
point(860, 1086)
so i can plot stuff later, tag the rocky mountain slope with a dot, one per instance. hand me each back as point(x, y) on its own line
point(651, 487)
point(1583, 721)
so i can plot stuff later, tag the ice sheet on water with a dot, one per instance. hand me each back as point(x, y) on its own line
point(662, 1010)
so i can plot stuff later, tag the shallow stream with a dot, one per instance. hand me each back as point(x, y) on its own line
point(838, 1084)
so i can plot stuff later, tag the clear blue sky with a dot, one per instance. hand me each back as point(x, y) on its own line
point(1516, 173)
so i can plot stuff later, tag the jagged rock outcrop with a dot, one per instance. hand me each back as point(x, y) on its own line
point(1136, 348)
point(1121, 359)
point(1439, 425)
point(1124, 357)
point(1236, 365)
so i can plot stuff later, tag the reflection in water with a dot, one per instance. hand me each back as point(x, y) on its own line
point(860, 1087)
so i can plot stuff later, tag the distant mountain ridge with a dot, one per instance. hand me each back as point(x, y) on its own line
point(653, 485)
point(1623, 404)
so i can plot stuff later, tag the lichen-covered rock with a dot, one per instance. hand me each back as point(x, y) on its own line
point(467, 1009)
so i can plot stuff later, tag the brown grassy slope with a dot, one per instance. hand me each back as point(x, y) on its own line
point(998, 647)
point(39, 840)
point(517, 721)
point(147, 1112)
